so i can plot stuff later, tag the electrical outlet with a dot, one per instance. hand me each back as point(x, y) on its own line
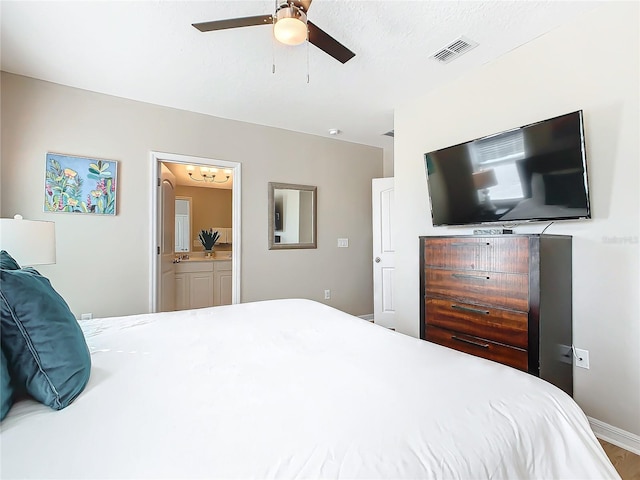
point(86, 316)
point(327, 294)
point(582, 358)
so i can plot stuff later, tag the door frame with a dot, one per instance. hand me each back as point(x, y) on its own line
point(154, 234)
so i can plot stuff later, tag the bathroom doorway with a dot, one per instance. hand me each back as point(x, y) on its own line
point(191, 173)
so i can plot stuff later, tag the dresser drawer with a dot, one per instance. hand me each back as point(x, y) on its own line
point(502, 326)
point(493, 254)
point(514, 357)
point(506, 290)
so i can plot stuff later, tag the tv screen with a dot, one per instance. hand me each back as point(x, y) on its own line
point(533, 173)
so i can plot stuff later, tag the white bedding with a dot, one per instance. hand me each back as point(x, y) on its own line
point(295, 389)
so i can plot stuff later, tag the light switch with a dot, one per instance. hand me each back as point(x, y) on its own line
point(343, 242)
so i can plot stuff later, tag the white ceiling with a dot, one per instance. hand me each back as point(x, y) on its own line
point(148, 51)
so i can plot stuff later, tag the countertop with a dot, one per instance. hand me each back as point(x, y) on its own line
point(199, 258)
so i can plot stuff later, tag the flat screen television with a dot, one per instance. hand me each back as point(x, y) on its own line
point(533, 173)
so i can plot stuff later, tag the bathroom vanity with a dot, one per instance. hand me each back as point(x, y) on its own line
point(203, 282)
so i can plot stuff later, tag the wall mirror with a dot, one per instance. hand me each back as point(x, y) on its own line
point(183, 224)
point(292, 216)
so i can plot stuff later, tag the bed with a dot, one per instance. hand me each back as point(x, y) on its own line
point(294, 389)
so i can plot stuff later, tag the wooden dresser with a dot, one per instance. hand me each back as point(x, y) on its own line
point(506, 298)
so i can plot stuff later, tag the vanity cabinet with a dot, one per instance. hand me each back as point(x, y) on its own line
point(194, 285)
point(504, 298)
point(182, 294)
point(203, 284)
point(222, 282)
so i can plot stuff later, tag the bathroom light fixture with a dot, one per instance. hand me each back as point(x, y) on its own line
point(208, 174)
point(290, 26)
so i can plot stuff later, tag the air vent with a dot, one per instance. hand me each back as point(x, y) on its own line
point(454, 50)
point(389, 133)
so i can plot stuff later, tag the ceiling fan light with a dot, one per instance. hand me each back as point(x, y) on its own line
point(291, 26)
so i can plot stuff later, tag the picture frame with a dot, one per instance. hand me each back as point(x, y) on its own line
point(80, 184)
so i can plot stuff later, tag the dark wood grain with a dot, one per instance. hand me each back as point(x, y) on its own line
point(234, 23)
point(328, 44)
point(505, 290)
point(479, 347)
point(511, 291)
point(496, 254)
point(502, 326)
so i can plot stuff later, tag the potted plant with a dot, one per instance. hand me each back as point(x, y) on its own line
point(208, 238)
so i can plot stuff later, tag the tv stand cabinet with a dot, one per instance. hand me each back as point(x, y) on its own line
point(506, 298)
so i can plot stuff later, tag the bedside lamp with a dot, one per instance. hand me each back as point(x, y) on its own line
point(29, 242)
point(484, 180)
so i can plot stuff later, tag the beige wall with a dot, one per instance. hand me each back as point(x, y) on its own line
point(103, 262)
point(591, 64)
point(211, 207)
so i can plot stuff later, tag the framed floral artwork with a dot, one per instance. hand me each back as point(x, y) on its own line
point(80, 185)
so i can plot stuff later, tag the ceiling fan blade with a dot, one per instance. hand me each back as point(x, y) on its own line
point(234, 23)
point(328, 44)
point(304, 4)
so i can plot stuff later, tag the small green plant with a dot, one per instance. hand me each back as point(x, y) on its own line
point(208, 238)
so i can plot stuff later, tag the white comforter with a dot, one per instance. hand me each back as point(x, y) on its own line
point(295, 389)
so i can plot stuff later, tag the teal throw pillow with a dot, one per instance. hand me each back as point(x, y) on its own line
point(7, 262)
point(6, 390)
point(43, 343)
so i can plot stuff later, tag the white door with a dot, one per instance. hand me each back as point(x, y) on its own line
point(383, 252)
point(167, 240)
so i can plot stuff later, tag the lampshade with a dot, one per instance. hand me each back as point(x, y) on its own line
point(290, 27)
point(29, 242)
point(485, 179)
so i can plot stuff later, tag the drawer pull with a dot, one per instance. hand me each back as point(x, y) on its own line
point(473, 277)
point(470, 244)
point(469, 309)
point(470, 342)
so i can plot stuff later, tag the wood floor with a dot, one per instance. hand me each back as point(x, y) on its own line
point(627, 464)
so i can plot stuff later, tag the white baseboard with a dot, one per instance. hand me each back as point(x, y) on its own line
point(368, 318)
point(616, 436)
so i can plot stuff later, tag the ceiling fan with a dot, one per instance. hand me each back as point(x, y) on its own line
point(290, 26)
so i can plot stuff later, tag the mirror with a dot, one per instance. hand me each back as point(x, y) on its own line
point(292, 216)
point(183, 224)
